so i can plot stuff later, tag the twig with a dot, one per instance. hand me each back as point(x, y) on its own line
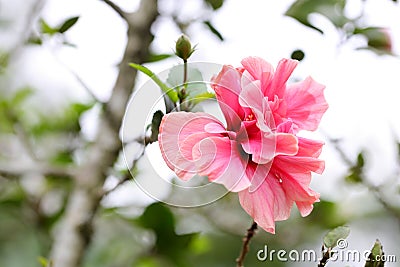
point(78, 79)
point(24, 139)
point(116, 8)
point(246, 241)
point(17, 170)
point(325, 257)
point(375, 189)
point(127, 176)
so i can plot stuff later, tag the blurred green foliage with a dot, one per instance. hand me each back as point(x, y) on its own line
point(378, 39)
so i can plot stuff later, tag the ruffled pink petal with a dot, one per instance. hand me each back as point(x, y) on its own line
point(220, 159)
point(227, 88)
point(179, 132)
point(278, 85)
point(296, 186)
point(257, 69)
point(269, 203)
point(260, 206)
point(309, 148)
point(286, 144)
point(296, 164)
point(306, 103)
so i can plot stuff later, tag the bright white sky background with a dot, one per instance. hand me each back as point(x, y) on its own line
point(363, 89)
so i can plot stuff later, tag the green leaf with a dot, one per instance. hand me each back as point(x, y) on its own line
point(67, 24)
point(66, 121)
point(195, 82)
point(200, 244)
point(360, 160)
point(195, 89)
point(325, 214)
point(332, 237)
point(34, 40)
point(331, 9)
point(158, 57)
point(375, 257)
point(172, 94)
point(21, 96)
point(63, 157)
point(213, 29)
point(215, 4)
point(4, 60)
point(161, 220)
point(356, 172)
point(378, 39)
point(46, 28)
point(44, 262)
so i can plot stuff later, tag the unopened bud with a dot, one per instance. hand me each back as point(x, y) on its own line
point(183, 47)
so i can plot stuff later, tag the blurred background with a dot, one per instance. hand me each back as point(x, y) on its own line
point(67, 197)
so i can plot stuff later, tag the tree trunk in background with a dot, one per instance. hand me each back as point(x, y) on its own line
point(74, 234)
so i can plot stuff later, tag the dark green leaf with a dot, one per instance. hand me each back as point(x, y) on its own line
point(332, 237)
point(213, 30)
point(158, 218)
point(155, 125)
point(360, 160)
point(158, 57)
point(67, 24)
point(375, 257)
point(331, 9)
point(298, 55)
point(35, 41)
point(356, 172)
point(215, 4)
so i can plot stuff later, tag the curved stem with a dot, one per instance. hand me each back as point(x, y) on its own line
point(246, 241)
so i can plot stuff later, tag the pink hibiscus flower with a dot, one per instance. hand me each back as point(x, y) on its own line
point(257, 153)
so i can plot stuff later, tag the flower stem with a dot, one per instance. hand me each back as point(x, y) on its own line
point(325, 257)
point(184, 72)
point(246, 241)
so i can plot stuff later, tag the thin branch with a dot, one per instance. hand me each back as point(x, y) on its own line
point(78, 79)
point(18, 170)
point(246, 241)
point(24, 139)
point(116, 8)
point(375, 189)
point(325, 256)
point(126, 177)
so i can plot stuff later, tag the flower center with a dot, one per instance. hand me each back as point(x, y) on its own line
point(249, 117)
